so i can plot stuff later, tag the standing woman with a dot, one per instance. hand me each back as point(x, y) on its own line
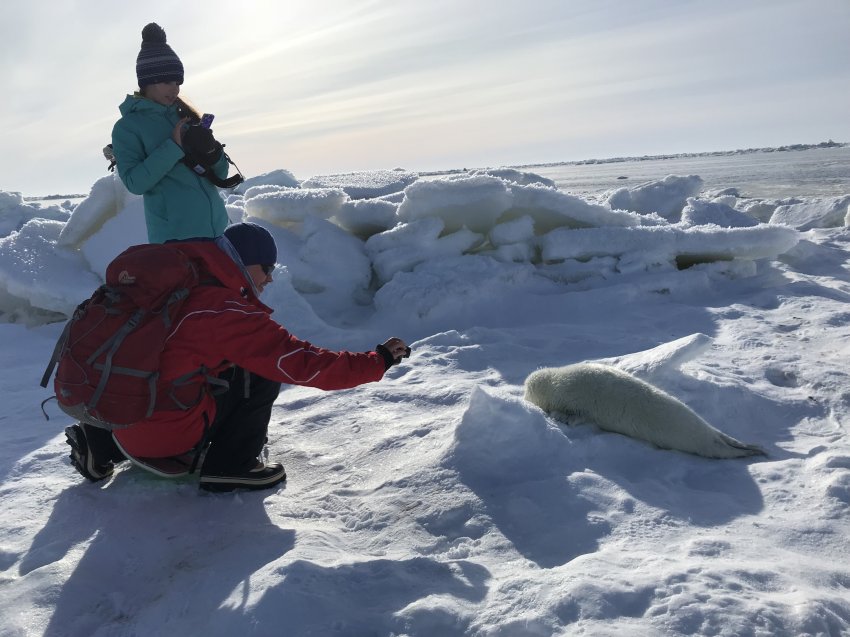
point(148, 145)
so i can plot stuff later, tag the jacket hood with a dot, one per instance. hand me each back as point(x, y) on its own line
point(217, 262)
point(135, 103)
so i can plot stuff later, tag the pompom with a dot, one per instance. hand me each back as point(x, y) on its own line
point(153, 33)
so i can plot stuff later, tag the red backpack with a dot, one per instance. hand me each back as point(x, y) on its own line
point(109, 353)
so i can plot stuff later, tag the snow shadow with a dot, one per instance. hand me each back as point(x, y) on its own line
point(516, 463)
point(701, 491)
point(826, 258)
point(375, 597)
point(547, 486)
point(157, 557)
point(694, 490)
point(24, 427)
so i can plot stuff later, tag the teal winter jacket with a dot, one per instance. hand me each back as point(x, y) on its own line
point(179, 204)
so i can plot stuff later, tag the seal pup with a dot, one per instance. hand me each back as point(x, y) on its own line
point(617, 401)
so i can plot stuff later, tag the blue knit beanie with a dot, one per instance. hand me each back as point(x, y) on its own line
point(156, 61)
point(254, 243)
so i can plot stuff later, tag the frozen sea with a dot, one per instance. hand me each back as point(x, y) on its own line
point(818, 172)
point(440, 502)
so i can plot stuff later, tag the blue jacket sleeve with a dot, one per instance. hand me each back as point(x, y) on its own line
point(140, 173)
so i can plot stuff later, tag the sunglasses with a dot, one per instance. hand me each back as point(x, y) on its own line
point(268, 269)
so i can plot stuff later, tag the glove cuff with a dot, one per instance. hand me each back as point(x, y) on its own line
point(389, 361)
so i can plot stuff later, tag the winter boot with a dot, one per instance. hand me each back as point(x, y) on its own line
point(260, 477)
point(82, 457)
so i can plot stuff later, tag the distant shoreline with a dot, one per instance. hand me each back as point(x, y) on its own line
point(582, 162)
point(53, 197)
point(614, 160)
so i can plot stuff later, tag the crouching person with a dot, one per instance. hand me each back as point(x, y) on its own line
point(224, 328)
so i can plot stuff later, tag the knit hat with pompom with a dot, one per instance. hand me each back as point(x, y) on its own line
point(156, 61)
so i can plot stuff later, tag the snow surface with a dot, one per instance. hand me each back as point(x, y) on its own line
point(437, 502)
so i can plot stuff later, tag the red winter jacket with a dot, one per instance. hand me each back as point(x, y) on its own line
point(223, 325)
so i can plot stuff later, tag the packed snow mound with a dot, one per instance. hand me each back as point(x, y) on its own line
point(253, 191)
point(435, 289)
point(663, 363)
point(365, 217)
point(480, 202)
point(703, 213)
point(650, 247)
point(15, 212)
point(472, 202)
point(338, 252)
point(818, 213)
point(10, 201)
point(519, 230)
point(504, 440)
point(407, 245)
point(107, 198)
point(33, 269)
point(281, 178)
point(519, 177)
point(366, 184)
point(290, 207)
point(666, 197)
point(330, 262)
point(550, 209)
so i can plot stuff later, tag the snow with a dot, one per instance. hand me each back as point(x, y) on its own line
point(816, 213)
point(665, 197)
point(438, 501)
point(365, 185)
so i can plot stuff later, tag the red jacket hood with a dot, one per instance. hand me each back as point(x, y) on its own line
point(213, 260)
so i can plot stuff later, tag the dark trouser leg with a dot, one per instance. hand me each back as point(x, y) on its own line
point(239, 429)
point(101, 445)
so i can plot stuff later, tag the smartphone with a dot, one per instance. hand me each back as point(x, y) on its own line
point(207, 119)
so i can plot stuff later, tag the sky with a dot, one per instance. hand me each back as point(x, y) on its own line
point(441, 501)
point(331, 86)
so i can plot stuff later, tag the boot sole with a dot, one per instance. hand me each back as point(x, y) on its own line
point(223, 484)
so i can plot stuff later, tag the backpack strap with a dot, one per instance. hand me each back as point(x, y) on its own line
point(220, 385)
point(177, 295)
point(60, 345)
point(54, 358)
point(115, 341)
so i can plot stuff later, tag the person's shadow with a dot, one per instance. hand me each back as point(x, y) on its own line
point(148, 542)
point(160, 559)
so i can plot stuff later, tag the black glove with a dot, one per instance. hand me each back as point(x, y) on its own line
point(389, 361)
point(201, 147)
